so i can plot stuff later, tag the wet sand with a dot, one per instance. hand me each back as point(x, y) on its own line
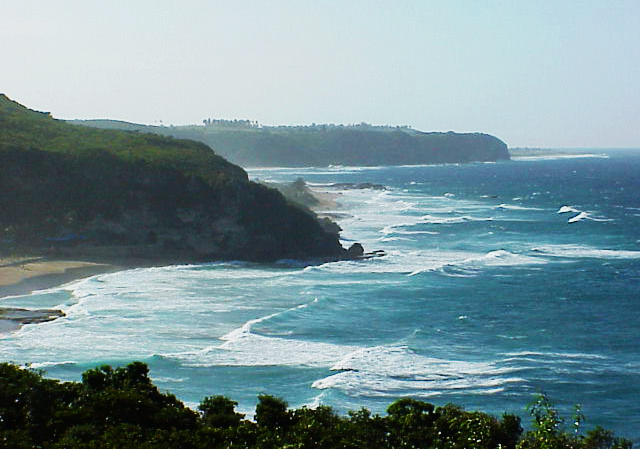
point(20, 276)
point(23, 275)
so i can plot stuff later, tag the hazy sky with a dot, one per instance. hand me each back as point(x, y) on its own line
point(551, 73)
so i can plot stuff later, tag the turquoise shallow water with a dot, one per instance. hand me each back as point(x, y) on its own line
point(500, 281)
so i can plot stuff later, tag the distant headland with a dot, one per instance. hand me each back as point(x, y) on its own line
point(249, 144)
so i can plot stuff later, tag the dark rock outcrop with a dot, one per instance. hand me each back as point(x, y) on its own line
point(355, 251)
point(88, 192)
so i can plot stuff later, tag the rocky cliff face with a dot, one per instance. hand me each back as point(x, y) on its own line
point(89, 192)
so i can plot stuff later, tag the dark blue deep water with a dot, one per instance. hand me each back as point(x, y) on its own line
point(499, 281)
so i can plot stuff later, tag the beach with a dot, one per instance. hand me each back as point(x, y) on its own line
point(20, 276)
point(23, 275)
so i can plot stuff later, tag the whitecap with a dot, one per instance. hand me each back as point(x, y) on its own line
point(467, 267)
point(551, 157)
point(396, 229)
point(388, 371)
point(245, 329)
point(580, 251)
point(515, 207)
point(588, 216)
point(567, 209)
point(44, 365)
point(169, 379)
point(453, 220)
point(393, 228)
point(561, 355)
point(393, 239)
point(579, 217)
point(250, 349)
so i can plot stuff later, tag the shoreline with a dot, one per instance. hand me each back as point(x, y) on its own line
point(24, 275)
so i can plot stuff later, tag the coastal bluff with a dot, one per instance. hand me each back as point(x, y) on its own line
point(249, 144)
point(96, 194)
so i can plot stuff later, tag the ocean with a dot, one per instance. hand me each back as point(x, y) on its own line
point(500, 281)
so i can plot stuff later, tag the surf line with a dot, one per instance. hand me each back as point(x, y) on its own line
point(245, 329)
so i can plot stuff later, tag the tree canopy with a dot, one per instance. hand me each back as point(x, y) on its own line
point(122, 408)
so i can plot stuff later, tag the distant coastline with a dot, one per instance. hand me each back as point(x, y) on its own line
point(250, 144)
point(530, 152)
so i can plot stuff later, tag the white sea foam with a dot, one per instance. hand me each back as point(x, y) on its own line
point(567, 209)
point(579, 217)
point(371, 385)
point(453, 220)
point(502, 258)
point(45, 365)
point(394, 239)
point(581, 251)
point(515, 207)
point(245, 329)
point(183, 312)
point(561, 355)
point(401, 361)
point(398, 229)
point(250, 349)
point(170, 380)
point(477, 262)
point(551, 157)
point(587, 216)
point(388, 371)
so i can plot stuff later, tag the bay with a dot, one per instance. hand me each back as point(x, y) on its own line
point(499, 281)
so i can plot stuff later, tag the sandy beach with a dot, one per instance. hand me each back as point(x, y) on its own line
point(19, 276)
point(23, 275)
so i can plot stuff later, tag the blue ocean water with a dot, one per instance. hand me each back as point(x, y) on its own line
point(499, 281)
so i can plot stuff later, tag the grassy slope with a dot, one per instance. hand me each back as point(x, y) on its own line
point(21, 127)
point(178, 195)
point(322, 145)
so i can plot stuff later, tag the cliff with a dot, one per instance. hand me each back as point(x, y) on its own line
point(249, 145)
point(109, 193)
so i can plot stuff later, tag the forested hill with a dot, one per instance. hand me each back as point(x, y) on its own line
point(250, 145)
point(95, 192)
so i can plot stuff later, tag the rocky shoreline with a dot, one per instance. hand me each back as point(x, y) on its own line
point(21, 276)
point(62, 265)
point(12, 318)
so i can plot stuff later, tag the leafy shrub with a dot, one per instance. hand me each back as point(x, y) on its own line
point(121, 408)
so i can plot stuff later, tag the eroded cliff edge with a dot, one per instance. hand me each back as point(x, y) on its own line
point(93, 193)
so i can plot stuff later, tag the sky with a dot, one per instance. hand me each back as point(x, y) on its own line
point(535, 73)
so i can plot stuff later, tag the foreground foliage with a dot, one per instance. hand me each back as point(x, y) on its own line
point(121, 408)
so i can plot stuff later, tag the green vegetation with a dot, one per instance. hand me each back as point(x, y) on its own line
point(121, 408)
point(23, 128)
point(76, 189)
point(250, 145)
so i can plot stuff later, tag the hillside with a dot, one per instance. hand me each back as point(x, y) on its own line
point(83, 191)
point(250, 145)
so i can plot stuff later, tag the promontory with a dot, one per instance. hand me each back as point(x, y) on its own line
point(250, 144)
point(106, 194)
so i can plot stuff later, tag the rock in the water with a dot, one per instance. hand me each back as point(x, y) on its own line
point(355, 251)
